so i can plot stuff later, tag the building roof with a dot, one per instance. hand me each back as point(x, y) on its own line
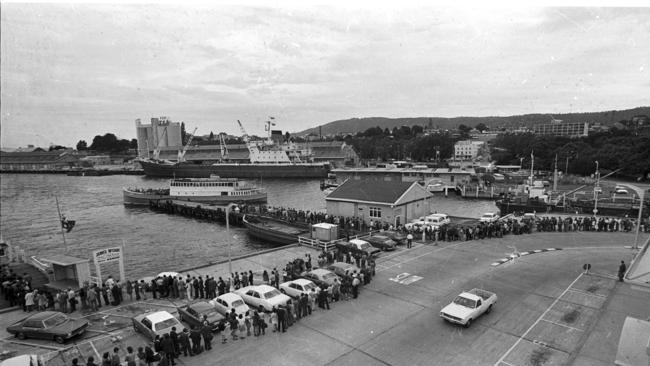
point(381, 191)
point(38, 157)
point(63, 260)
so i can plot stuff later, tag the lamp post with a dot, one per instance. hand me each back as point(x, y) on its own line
point(596, 189)
point(228, 208)
point(641, 194)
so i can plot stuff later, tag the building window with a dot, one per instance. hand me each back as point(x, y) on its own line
point(375, 212)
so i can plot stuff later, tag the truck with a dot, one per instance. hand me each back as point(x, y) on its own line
point(468, 306)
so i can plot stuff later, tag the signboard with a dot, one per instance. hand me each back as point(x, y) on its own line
point(107, 255)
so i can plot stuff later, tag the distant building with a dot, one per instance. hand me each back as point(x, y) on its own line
point(469, 149)
point(555, 128)
point(391, 202)
point(38, 160)
point(162, 132)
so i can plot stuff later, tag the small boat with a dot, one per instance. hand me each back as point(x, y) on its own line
point(213, 190)
point(273, 230)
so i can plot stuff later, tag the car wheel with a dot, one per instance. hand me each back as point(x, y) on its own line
point(21, 336)
point(469, 322)
point(284, 292)
point(489, 309)
point(58, 339)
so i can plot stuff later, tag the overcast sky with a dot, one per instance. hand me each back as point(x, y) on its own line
point(70, 72)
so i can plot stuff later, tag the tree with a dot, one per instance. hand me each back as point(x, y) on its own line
point(482, 127)
point(133, 144)
point(287, 136)
point(57, 147)
point(183, 133)
point(82, 145)
point(211, 138)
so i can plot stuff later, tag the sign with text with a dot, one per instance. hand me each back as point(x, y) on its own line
point(107, 255)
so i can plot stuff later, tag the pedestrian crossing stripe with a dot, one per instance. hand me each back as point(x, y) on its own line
point(513, 256)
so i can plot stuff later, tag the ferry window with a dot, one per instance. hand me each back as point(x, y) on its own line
point(375, 212)
point(451, 178)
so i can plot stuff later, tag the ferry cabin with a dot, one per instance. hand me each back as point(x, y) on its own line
point(198, 187)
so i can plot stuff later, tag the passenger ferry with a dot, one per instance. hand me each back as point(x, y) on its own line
point(213, 190)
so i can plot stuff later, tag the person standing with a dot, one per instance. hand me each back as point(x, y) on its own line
point(621, 271)
point(184, 342)
point(409, 240)
point(168, 348)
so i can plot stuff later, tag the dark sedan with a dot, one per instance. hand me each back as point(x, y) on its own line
point(381, 241)
point(48, 325)
point(192, 314)
point(398, 237)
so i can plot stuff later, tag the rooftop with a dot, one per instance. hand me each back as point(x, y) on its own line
point(380, 191)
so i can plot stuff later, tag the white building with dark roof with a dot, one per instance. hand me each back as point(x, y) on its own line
point(393, 202)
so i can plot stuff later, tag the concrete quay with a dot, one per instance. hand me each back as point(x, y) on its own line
point(548, 312)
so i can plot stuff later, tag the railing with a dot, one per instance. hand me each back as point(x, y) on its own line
point(43, 267)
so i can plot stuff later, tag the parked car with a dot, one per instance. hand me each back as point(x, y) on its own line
point(381, 241)
point(468, 306)
point(48, 325)
point(499, 177)
point(415, 224)
point(320, 276)
point(489, 217)
point(193, 314)
point(266, 296)
point(620, 190)
point(228, 301)
point(397, 236)
point(343, 269)
point(153, 324)
point(437, 220)
point(298, 287)
point(357, 246)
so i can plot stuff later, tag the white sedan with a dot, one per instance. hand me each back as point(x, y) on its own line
point(298, 287)
point(489, 217)
point(153, 324)
point(228, 301)
point(263, 295)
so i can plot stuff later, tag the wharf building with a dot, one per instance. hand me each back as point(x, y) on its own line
point(449, 177)
point(391, 202)
point(39, 160)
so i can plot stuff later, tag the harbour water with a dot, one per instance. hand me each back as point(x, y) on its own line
point(153, 242)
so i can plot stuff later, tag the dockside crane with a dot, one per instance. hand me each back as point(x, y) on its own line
point(181, 154)
point(224, 148)
point(243, 131)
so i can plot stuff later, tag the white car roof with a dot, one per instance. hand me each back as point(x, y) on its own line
point(263, 288)
point(229, 297)
point(358, 241)
point(159, 316)
point(321, 271)
point(301, 281)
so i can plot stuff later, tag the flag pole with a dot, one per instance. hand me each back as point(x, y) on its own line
point(58, 209)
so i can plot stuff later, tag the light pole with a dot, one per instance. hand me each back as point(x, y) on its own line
point(641, 194)
point(228, 208)
point(596, 189)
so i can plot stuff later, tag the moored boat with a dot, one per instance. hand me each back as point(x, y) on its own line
point(273, 230)
point(214, 190)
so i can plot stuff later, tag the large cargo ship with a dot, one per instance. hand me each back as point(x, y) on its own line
point(267, 159)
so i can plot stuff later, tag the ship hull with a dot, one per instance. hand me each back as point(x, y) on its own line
point(255, 171)
point(133, 198)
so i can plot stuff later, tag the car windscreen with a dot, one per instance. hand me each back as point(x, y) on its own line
point(327, 276)
point(271, 294)
point(364, 245)
point(237, 303)
point(463, 301)
point(167, 323)
point(309, 286)
point(55, 320)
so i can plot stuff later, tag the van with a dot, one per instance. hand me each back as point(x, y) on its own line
point(436, 220)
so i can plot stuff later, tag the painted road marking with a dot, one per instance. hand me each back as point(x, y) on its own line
point(405, 278)
point(538, 320)
point(588, 293)
point(563, 325)
point(512, 256)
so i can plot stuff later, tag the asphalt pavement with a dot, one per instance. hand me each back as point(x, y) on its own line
point(548, 313)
